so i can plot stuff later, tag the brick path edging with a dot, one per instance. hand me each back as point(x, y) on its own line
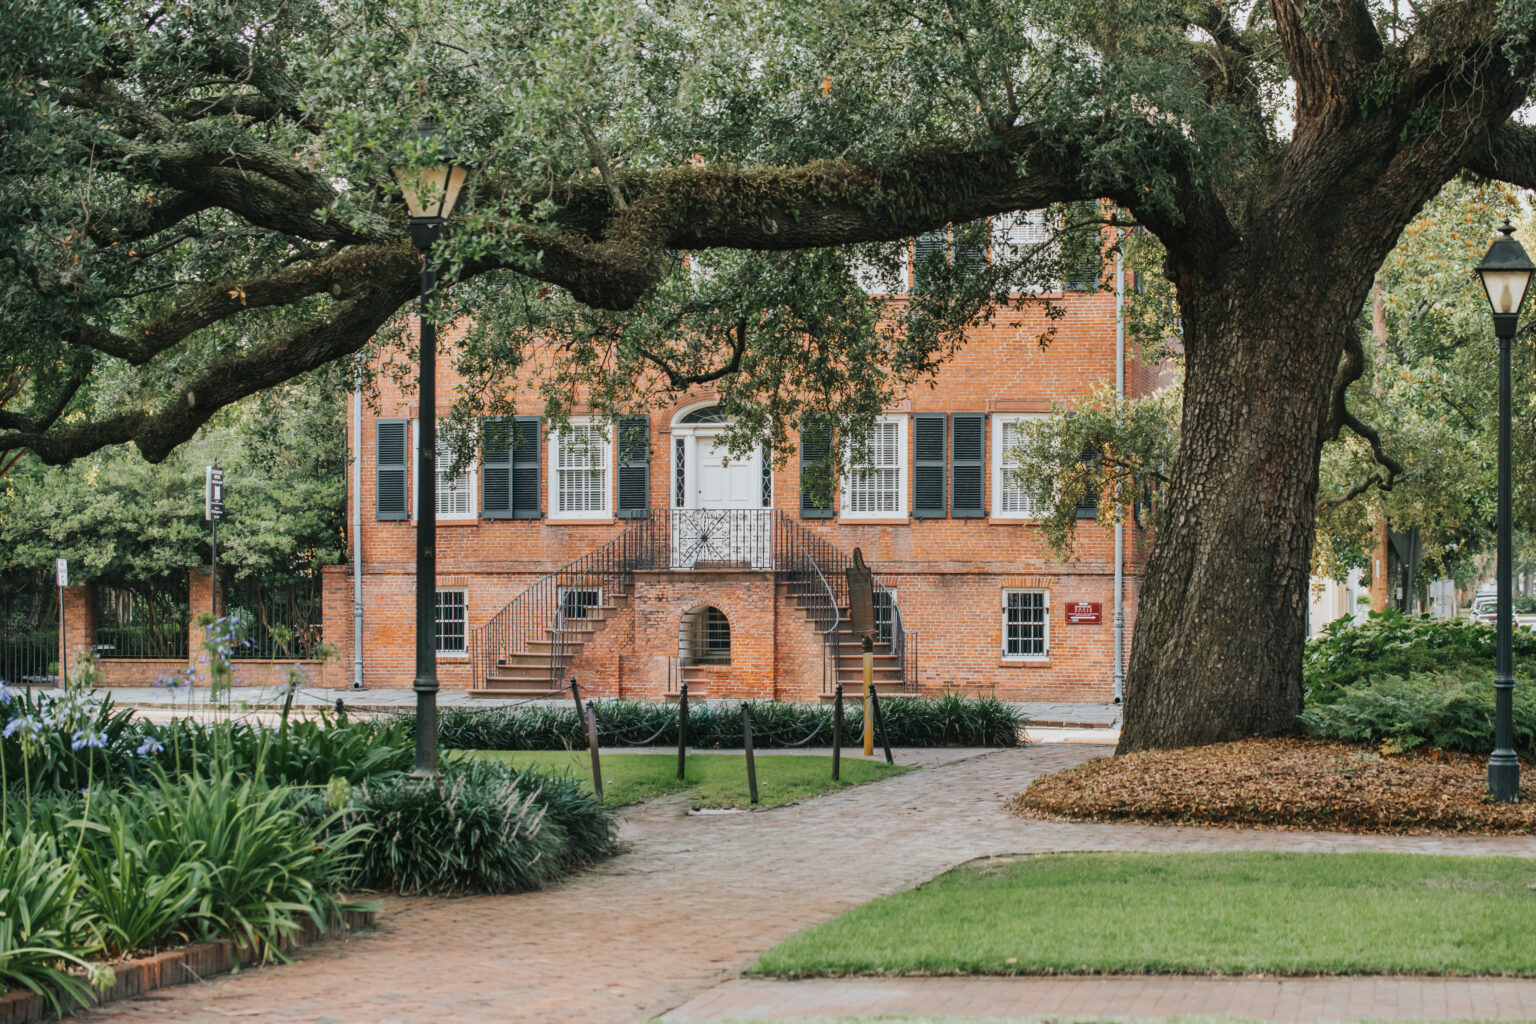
point(175, 967)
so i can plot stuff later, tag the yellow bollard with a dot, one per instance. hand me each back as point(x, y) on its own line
point(869, 688)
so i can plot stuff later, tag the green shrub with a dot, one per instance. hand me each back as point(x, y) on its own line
point(256, 861)
point(1390, 643)
point(137, 901)
point(1451, 710)
point(485, 828)
point(297, 753)
point(42, 930)
point(952, 719)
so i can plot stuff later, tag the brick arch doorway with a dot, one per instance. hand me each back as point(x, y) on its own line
point(721, 503)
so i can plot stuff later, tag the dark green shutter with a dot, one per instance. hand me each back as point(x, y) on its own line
point(527, 450)
point(634, 467)
point(496, 468)
point(929, 437)
point(970, 249)
point(393, 449)
point(815, 451)
point(928, 265)
point(968, 465)
point(1081, 248)
point(1089, 509)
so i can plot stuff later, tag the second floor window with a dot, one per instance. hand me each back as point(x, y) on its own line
point(581, 468)
point(1013, 497)
point(875, 487)
point(455, 494)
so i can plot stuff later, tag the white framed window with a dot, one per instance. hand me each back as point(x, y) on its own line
point(1025, 236)
point(1027, 625)
point(878, 487)
point(452, 622)
point(582, 467)
point(1011, 496)
point(455, 494)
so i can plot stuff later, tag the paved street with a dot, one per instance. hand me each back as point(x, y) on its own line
point(695, 898)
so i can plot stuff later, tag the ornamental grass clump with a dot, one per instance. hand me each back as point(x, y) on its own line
point(483, 828)
point(949, 720)
point(45, 939)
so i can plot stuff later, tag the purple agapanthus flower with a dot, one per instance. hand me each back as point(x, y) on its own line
point(83, 738)
point(150, 746)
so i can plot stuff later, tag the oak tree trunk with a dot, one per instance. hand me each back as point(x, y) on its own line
point(1220, 621)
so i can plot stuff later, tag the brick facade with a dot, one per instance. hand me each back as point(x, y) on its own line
point(949, 574)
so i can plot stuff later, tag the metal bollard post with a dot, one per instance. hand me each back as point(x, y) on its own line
point(837, 732)
point(597, 768)
point(885, 739)
point(682, 728)
point(746, 738)
point(576, 696)
point(341, 712)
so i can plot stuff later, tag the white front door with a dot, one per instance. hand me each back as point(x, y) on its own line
point(727, 481)
point(726, 523)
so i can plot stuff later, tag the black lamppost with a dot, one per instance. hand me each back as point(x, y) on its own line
point(430, 180)
point(1505, 272)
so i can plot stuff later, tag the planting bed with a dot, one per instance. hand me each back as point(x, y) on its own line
point(1283, 783)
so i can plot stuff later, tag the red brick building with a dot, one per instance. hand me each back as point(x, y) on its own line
point(634, 558)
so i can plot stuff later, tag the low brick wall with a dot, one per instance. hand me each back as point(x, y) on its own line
point(173, 967)
point(146, 671)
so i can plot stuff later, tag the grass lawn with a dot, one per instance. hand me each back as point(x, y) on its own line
point(1233, 913)
point(713, 780)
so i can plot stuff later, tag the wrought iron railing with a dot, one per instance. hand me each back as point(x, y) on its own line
point(544, 625)
point(141, 624)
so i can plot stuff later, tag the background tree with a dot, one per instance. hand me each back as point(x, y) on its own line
point(197, 207)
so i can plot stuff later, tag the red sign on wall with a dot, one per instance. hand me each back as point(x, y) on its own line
point(1084, 613)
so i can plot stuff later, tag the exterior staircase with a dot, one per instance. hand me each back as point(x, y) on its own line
point(526, 648)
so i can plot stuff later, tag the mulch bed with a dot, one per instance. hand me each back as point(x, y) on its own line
point(1283, 783)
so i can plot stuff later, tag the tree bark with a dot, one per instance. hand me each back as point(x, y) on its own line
point(1221, 619)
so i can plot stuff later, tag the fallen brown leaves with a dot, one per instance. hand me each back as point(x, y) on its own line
point(1282, 783)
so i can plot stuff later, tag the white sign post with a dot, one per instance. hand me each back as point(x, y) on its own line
point(62, 566)
point(213, 511)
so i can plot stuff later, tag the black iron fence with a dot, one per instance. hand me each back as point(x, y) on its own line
point(29, 639)
point(142, 623)
point(277, 620)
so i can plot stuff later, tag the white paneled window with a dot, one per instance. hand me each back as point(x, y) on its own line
point(579, 458)
point(878, 486)
point(881, 278)
point(1026, 238)
point(452, 621)
point(1026, 624)
point(455, 494)
point(1011, 480)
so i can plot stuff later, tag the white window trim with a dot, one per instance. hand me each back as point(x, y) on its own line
point(903, 460)
point(996, 463)
point(1003, 621)
point(473, 473)
point(606, 512)
point(452, 655)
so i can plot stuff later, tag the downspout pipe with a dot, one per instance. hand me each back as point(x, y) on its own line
point(357, 532)
point(1119, 619)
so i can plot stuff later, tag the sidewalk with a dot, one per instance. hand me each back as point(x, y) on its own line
point(1278, 999)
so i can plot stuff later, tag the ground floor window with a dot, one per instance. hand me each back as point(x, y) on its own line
point(885, 616)
point(576, 601)
point(452, 621)
point(1026, 623)
point(705, 637)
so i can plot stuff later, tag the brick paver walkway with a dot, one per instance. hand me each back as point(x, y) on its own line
point(691, 903)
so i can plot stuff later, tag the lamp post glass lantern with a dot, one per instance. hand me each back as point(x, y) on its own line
point(430, 179)
point(1505, 272)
